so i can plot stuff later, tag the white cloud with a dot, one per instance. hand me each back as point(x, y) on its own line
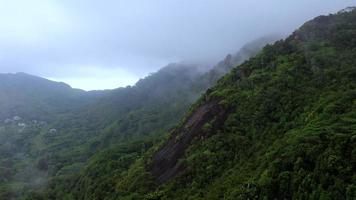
point(96, 78)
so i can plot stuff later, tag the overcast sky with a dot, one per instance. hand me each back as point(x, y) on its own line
point(98, 44)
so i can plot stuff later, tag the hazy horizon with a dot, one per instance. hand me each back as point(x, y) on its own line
point(109, 44)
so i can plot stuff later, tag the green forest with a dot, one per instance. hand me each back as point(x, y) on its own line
point(279, 123)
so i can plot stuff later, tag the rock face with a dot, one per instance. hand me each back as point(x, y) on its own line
point(166, 163)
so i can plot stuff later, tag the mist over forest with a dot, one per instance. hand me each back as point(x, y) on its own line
point(177, 100)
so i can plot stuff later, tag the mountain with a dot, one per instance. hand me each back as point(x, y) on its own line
point(232, 60)
point(50, 129)
point(50, 132)
point(37, 98)
point(281, 125)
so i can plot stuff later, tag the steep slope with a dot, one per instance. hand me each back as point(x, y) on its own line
point(232, 60)
point(173, 83)
point(127, 119)
point(57, 128)
point(170, 86)
point(291, 131)
point(50, 129)
point(280, 126)
point(137, 111)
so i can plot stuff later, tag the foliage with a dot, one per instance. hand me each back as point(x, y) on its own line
point(290, 131)
point(290, 134)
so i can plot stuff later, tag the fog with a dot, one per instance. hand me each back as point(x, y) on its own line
point(106, 44)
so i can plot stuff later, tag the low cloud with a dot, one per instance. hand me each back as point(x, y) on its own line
point(65, 40)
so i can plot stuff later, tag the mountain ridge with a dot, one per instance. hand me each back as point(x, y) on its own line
point(60, 130)
point(289, 132)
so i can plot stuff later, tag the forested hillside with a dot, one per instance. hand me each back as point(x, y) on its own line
point(36, 98)
point(282, 125)
point(49, 130)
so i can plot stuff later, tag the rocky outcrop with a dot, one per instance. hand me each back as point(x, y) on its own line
point(165, 162)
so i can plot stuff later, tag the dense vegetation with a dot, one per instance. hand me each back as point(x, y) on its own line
point(287, 131)
point(48, 130)
point(32, 97)
point(281, 125)
point(72, 125)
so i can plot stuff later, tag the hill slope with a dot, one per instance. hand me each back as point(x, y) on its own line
point(61, 128)
point(280, 126)
point(37, 98)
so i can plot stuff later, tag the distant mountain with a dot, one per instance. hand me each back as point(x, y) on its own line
point(60, 128)
point(37, 98)
point(281, 125)
point(248, 50)
point(232, 60)
point(166, 86)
